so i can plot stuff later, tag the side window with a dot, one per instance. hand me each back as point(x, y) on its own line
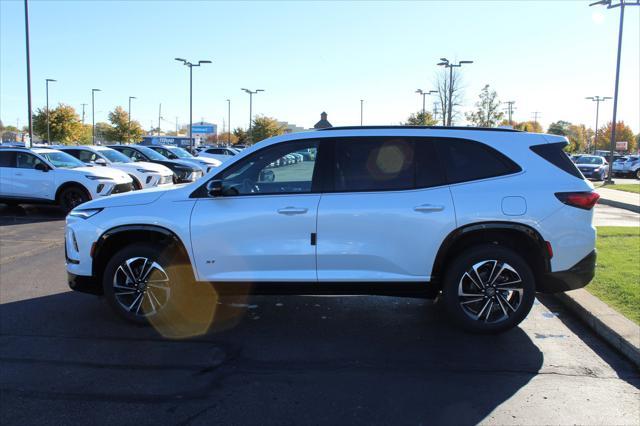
point(73, 152)
point(373, 164)
point(133, 154)
point(86, 156)
point(27, 161)
point(466, 160)
point(429, 171)
point(281, 169)
point(8, 159)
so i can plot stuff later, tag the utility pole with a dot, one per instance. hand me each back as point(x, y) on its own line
point(510, 111)
point(176, 126)
point(83, 105)
point(535, 115)
point(159, 117)
point(93, 115)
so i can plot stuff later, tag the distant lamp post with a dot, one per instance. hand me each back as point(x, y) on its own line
point(228, 121)
point(361, 111)
point(597, 100)
point(424, 94)
point(191, 65)
point(29, 113)
point(445, 63)
point(47, 81)
point(130, 97)
point(93, 115)
point(621, 4)
point(251, 93)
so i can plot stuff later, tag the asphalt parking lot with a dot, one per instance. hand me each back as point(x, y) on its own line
point(286, 360)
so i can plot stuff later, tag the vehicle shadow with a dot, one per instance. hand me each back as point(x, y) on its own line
point(29, 213)
point(267, 360)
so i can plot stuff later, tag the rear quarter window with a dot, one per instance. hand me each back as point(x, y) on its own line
point(554, 154)
point(7, 159)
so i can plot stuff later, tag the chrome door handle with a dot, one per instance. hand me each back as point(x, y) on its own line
point(428, 208)
point(292, 210)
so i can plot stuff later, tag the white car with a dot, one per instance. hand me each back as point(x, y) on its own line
point(221, 154)
point(143, 173)
point(485, 217)
point(41, 175)
point(176, 153)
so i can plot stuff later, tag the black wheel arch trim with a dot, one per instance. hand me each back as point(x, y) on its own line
point(66, 185)
point(456, 234)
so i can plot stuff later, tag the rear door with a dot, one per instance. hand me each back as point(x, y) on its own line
point(387, 212)
point(7, 169)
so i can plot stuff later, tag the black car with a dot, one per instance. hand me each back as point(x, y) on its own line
point(183, 171)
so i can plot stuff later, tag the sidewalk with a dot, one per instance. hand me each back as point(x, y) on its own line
point(619, 199)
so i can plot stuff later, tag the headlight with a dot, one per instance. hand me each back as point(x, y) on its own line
point(144, 171)
point(97, 177)
point(85, 213)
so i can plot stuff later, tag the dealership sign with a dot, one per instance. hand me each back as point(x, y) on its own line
point(203, 129)
point(622, 146)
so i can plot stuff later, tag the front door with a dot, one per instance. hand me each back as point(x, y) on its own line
point(29, 182)
point(261, 228)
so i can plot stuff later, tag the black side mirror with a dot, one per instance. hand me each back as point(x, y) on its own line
point(214, 188)
point(42, 167)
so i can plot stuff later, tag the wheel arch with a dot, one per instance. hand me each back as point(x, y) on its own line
point(519, 237)
point(71, 184)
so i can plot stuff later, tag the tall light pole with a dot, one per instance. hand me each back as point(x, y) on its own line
point(424, 94)
point(621, 4)
point(597, 100)
point(191, 65)
point(159, 117)
point(228, 121)
point(48, 129)
point(251, 93)
point(83, 105)
point(361, 110)
point(445, 63)
point(130, 97)
point(510, 111)
point(26, 31)
point(93, 115)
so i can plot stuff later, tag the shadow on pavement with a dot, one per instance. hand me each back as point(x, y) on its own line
point(28, 213)
point(294, 359)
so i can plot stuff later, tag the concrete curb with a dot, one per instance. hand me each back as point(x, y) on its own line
point(620, 205)
point(620, 332)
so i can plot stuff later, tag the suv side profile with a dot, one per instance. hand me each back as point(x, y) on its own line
point(484, 218)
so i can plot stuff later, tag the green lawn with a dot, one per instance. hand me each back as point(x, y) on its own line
point(617, 280)
point(627, 187)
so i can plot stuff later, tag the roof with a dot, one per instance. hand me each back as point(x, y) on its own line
point(488, 129)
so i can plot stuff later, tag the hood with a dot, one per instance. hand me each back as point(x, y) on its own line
point(133, 198)
point(154, 167)
point(109, 172)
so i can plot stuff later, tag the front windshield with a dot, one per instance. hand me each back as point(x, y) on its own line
point(180, 152)
point(589, 160)
point(62, 159)
point(153, 155)
point(114, 156)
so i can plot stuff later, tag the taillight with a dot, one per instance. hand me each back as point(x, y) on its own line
point(581, 200)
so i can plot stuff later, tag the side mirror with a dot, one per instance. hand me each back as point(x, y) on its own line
point(42, 167)
point(214, 188)
point(100, 162)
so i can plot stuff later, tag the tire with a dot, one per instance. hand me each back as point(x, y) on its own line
point(136, 183)
point(145, 289)
point(71, 197)
point(476, 304)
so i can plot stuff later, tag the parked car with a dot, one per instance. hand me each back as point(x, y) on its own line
point(629, 166)
point(49, 176)
point(183, 171)
point(593, 167)
point(176, 153)
point(221, 154)
point(143, 174)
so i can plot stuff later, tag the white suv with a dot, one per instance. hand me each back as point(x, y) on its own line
point(143, 173)
point(43, 175)
point(484, 217)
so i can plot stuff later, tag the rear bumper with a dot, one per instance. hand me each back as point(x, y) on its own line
point(84, 284)
point(578, 276)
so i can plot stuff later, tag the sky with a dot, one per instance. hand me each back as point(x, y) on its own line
point(310, 57)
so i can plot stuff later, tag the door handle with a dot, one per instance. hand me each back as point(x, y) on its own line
point(292, 210)
point(428, 208)
point(18, 174)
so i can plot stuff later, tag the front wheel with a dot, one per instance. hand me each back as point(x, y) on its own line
point(72, 197)
point(488, 289)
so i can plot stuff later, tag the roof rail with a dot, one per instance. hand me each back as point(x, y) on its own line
point(486, 129)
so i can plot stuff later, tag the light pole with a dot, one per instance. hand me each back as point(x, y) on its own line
point(445, 63)
point(83, 105)
point(130, 97)
point(597, 100)
point(228, 121)
point(361, 110)
point(48, 129)
point(191, 65)
point(93, 115)
point(424, 94)
point(251, 93)
point(621, 4)
point(30, 115)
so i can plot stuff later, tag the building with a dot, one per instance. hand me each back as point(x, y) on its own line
point(323, 123)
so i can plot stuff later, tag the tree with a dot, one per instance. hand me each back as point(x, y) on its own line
point(578, 136)
point(442, 86)
point(121, 130)
point(64, 123)
point(528, 126)
point(559, 128)
point(419, 119)
point(623, 133)
point(265, 127)
point(103, 132)
point(212, 139)
point(242, 135)
point(487, 113)
point(225, 137)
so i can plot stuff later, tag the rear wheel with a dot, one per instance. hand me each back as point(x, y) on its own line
point(488, 289)
point(72, 197)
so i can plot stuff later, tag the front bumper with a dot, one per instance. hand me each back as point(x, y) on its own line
point(578, 276)
point(84, 284)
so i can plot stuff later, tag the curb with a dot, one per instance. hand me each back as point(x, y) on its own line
point(620, 205)
point(620, 332)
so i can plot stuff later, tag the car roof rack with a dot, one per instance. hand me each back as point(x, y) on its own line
point(487, 129)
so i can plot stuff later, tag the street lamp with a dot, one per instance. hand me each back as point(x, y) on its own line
point(361, 109)
point(251, 93)
point(93, 115)
point(445, 63)
point(26, 33)
point(424, 94)
point(228, 121)
point(597, 100)
point(48, 130)
point(621, 4)
point(191, 65)
point(130, 97)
